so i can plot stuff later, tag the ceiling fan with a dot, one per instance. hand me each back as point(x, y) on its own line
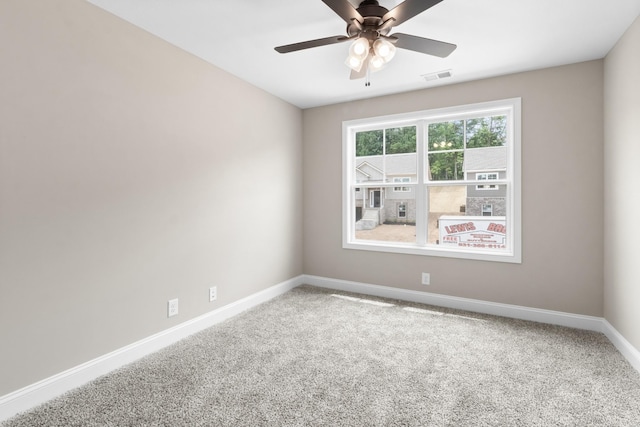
point(368, 26)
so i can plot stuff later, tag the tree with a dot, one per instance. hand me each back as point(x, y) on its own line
point(400, 140)
point(446, 145)
point(487, 132)
point(369, 143)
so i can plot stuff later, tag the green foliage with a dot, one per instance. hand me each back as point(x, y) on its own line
point(447, 143)
point(369, 143)
point(446, 136)
point(401, 140)
point(446, 166)
point(486, 132)
point(395, 140)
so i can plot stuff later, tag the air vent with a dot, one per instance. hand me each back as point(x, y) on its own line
point(437, 75)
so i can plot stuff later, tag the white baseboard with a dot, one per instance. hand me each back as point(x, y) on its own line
point(35, 394)
point(577, 321)
point(624, 347)
point(506, 310)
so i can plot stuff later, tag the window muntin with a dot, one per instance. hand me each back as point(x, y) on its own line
point(450, 154)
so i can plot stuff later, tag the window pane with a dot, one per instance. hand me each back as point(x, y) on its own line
point(456, 220)
point(445, 166)
point(400, 140)
point(473, 232)
point(401, 167)
point(444, 201)
point(369, 143)
point(383, 218)
point(386, 154)
point(446, 136)
point(487, 132)
point(445, 144)
point(487, 195)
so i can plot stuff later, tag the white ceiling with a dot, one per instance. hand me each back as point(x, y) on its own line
point(494, 37)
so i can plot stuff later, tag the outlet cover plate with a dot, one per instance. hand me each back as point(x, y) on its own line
point(213, 293)
point(172, 307)
point(426, 278)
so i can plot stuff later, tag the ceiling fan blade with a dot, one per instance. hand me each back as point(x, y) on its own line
point(408, 9)
point(422, 45)
point(311, 43)
point(345, 10)
point(355, 75)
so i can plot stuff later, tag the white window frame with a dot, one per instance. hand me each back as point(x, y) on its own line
point(509, 107)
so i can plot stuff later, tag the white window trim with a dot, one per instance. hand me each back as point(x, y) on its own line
point(511, 107)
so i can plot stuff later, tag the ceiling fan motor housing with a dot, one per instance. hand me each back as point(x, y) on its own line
point(372, 13)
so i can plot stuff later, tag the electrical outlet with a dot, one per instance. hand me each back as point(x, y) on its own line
point(426, 279)
point(213, 293)
point(172, 307)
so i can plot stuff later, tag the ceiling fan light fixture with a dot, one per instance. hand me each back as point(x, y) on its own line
point(354, 63)
point(376, 63)
point(384, 49)
point(369, 28)
point(359, 48)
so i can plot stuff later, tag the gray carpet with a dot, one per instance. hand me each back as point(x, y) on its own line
point(314, 358)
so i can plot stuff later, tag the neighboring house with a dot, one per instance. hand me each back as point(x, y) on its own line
point(396, 204)
point(390, 204)
point(488, 163)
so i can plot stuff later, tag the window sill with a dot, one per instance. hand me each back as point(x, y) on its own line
point(434, 250)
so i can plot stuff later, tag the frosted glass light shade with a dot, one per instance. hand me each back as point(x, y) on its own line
point(384, 49)
point(376, 63)
point(354, 63)
point(359, 48)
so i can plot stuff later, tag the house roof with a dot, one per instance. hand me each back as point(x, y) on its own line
point(476, 160)
point(394, 164)
point(485, 159)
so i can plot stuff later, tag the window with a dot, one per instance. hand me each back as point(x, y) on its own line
point(486, 177)
point(443, 158)
point(402, 210)
point(401, 189)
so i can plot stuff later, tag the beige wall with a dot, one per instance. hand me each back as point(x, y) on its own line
point(130, 173)
point(562, 194)
point(128, 170)
point(622, 192)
